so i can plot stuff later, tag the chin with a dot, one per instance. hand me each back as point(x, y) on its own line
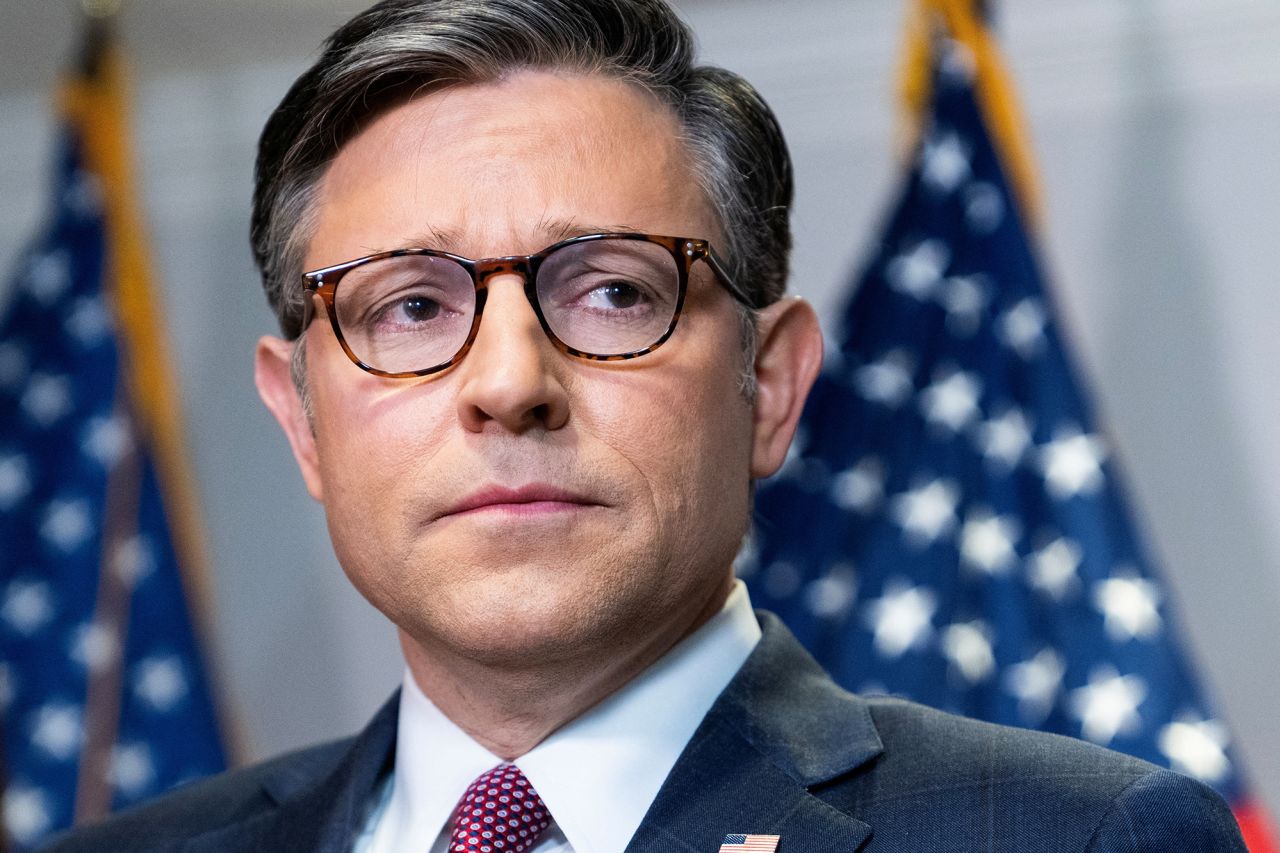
point(531, 616)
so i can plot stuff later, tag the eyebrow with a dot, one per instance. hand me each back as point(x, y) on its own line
point(563, 229)
point(554, 230)
point(433, 238)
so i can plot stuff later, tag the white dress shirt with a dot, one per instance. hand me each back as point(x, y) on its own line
point(597, 775)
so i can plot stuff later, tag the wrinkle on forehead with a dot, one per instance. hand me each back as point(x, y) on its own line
point(522, 145)
point(549, 231)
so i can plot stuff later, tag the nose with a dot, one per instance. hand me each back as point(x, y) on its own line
point(510, 378)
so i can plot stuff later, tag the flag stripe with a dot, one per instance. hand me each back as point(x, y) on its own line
point(1256, 827)
point(111, 616)
point(739, 843)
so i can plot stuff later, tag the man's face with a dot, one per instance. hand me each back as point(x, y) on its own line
point(636, 473)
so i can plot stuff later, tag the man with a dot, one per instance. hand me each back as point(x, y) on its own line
point(538, 465)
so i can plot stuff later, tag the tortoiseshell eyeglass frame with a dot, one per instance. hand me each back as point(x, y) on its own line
point(684, 251)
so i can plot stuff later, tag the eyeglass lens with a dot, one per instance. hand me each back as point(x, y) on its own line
point(603, 297)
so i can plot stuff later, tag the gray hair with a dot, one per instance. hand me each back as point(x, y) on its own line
point(402, 48)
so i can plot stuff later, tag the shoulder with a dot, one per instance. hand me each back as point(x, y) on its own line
point(228, 799)
point(943, 773)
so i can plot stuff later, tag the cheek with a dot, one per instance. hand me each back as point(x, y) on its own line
point(686, 433)
point(373, 444)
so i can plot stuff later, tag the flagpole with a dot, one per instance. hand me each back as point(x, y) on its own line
point(100, 18)
point(98, 103)
point(967, 22)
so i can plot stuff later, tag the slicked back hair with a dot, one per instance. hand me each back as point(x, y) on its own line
point(401, 48)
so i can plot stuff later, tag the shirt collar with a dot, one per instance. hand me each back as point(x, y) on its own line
point(598, 774)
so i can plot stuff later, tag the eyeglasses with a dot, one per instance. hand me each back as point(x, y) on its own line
point(604, 297)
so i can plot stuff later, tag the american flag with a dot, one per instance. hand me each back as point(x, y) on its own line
point(951, 525)
point(103, 697)
point(735, 843)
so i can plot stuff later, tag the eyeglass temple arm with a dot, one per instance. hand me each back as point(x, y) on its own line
point(722, 272)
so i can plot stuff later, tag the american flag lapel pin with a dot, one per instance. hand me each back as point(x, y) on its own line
point(736, 842)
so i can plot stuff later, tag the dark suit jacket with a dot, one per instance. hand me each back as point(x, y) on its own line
point(783, 751)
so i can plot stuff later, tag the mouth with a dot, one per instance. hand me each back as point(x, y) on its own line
point(535, 499)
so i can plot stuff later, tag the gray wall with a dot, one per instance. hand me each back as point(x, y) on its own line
point(1156, 123)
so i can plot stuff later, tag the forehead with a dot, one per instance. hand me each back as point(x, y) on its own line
point(507, 167)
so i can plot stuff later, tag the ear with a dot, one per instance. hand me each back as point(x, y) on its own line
point(272, 373)
point(788, 358)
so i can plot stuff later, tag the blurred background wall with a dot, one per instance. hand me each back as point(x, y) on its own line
point(1157, 127)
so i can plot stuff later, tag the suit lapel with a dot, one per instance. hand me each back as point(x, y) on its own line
point(317, 808)
point(780, 731)
point(758, 763)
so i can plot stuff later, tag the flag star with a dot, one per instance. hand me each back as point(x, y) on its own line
point(1053, 568)
point(1130, 606)
point(952, 400)
point(1108, 705)
point(831, 595)
point(133, 559)
point(1021, 328)
point(107, 439)
point(901, 619)
point(132, 769)
point(833, 359)
point(66, 524)
point(14, 364)
point(1004, 439)
point(89, 321)
point(887, 381)
point(967, 645)
point(984, 207)
point(49, 276)
point(57, 730)
point(958, 64)
point(84, 195)
point(815, 476)
point(160, 682)
point(987, 542)
point(861, 488)
point(964, 297)
point(27, 814)
point(1072, 463)
point(15, 480)
point(95, 645)
point(918, 271)
point(46, 398)
point(944, 163)
point(27, 605)
point(1035, 683)
point(928, 511)
point(782, 579)
point(1197, 747)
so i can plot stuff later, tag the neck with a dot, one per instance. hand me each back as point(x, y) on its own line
point(511, 708)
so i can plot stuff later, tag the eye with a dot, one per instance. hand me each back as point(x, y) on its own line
point(415, 308)
point(419, 308)
point(614, 295)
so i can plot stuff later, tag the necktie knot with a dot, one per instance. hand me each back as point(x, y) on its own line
point(499, 813)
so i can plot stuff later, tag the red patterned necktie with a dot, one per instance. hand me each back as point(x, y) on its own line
point(499, 813)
